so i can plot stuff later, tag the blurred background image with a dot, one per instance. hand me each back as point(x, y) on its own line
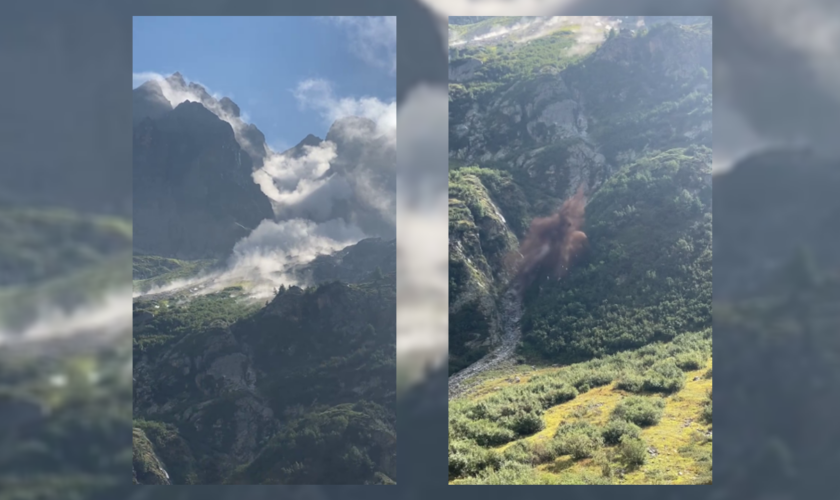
point(66, 145)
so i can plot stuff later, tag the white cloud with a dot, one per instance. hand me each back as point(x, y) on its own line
point(372, 39)
point(318, 94)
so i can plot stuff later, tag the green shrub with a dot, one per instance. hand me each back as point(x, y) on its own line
point(631, 382)
point(632, 451)
point(519, 452)
point(596, 377)
point(525, 424)
point(708, 374)
point(690, 361)
point(554, 393)
point(511, 473)
point(486, 433)
point(544, 451)
point(468, 459)
point(640, 410)
point(707, 409)
point(579, 439)
point(617, 429)
point(665, 377)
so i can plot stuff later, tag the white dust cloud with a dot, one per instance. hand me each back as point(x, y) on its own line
point(299, 186)
point(264, 258)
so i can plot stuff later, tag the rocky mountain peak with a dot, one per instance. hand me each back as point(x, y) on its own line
point(176, 79)
point(229, 106)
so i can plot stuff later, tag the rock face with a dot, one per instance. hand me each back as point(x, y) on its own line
point(146, 468)
point(193, 190)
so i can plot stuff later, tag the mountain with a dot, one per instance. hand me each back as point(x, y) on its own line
point(194, 196)
point(300, 391)
point(617, 110)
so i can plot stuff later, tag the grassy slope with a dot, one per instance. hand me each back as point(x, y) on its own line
point(680, 437)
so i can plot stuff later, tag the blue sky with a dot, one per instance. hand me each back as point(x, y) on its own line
point(259, 62)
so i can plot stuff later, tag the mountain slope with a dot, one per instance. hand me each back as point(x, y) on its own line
point(193, 190)
point(616, 344)
point(234, 392)
point(541, 119)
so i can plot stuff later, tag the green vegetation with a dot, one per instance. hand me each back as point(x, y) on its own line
point(513, 61)
point(160, 322)
point(339, 437)
point(523, 413)
point(642, 411)
point(311, 376)
point(636, 285)
point(477, 263)
point(152, 271)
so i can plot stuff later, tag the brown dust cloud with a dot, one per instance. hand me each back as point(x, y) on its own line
point(553, 244)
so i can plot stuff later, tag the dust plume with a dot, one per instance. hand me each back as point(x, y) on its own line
point(553, 243)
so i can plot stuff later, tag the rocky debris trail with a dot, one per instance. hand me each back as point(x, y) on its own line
point(511, 313)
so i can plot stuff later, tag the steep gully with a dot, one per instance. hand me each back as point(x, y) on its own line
point(511, 313)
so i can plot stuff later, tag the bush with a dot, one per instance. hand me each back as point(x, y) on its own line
point(690, 361)
point(632, 451)
point(499, 419)
point(707, 408)
point(554, 394)
point(511, 473)
point(708, 374)
point(468, 459)
point(664, 376)
point(617, 429)
point(525, 424)
point(586, 379)
point(544, 451)
point(640, 410)
point(578, 439)
point(486, 433)
point(581, 446)
point(519, 452)
point(631, 382)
